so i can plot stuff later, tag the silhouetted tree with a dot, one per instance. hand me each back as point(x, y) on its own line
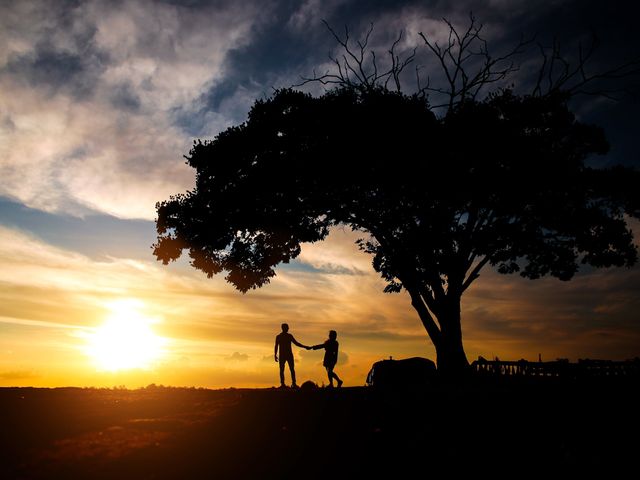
point(500, 180)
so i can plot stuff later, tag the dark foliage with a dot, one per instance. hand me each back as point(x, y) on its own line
point(501, 181)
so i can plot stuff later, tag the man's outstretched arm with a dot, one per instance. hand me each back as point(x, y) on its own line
point(295, 342)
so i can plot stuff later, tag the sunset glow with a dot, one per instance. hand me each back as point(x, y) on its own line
point(100, 102)
point(125, 340)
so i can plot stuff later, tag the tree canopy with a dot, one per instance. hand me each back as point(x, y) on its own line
point(501, 180)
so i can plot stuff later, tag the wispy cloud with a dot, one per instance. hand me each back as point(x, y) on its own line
point(55, 293)
point(50, 294)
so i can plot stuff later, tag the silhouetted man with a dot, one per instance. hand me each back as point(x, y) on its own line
point(284, 341)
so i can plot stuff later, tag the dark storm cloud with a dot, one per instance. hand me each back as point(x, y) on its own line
point(63, 56)
point(613, 26)
point(54, 69)
point(124, 97)
point(291, 42)
point(294, 40)
point(288, 44)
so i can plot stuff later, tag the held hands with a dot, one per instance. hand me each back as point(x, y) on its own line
point(306, 347)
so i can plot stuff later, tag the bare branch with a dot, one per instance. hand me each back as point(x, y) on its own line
point(359, 68)
point(466, 80)
point(467, 67)
point(576, 80)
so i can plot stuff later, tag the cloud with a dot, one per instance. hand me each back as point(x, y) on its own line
point(51, 295)
point(237, 357)
point(101, 99)
point(558, 319)
point(89, 123)
point(335, 255)
point(310, 12)
point(343, 358)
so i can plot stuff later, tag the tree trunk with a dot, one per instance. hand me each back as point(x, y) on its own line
point(447, 339)
point(451, 359)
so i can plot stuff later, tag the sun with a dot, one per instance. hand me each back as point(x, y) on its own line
point(126, 339)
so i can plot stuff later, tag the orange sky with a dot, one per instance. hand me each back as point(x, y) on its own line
point(53, 300)
point(99, 104)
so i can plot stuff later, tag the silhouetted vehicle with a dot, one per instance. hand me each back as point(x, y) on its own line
point(408, 372)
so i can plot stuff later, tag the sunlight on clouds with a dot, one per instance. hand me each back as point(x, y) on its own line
point(337, 252)
point(63, 298)
point(61, 151)
point(167, 52)
point(52, 301)
point(101, 133)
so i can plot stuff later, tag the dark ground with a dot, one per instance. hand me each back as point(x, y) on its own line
point(516, 429)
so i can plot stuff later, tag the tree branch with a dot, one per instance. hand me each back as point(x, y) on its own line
point(475, 273)
point(561, 76)
point(453, 58)
point(426, 317)
point(358, 70)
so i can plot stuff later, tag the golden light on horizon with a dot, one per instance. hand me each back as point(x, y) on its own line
point(126, 339)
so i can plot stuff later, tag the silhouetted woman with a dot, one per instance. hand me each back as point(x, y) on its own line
point(330, 356)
